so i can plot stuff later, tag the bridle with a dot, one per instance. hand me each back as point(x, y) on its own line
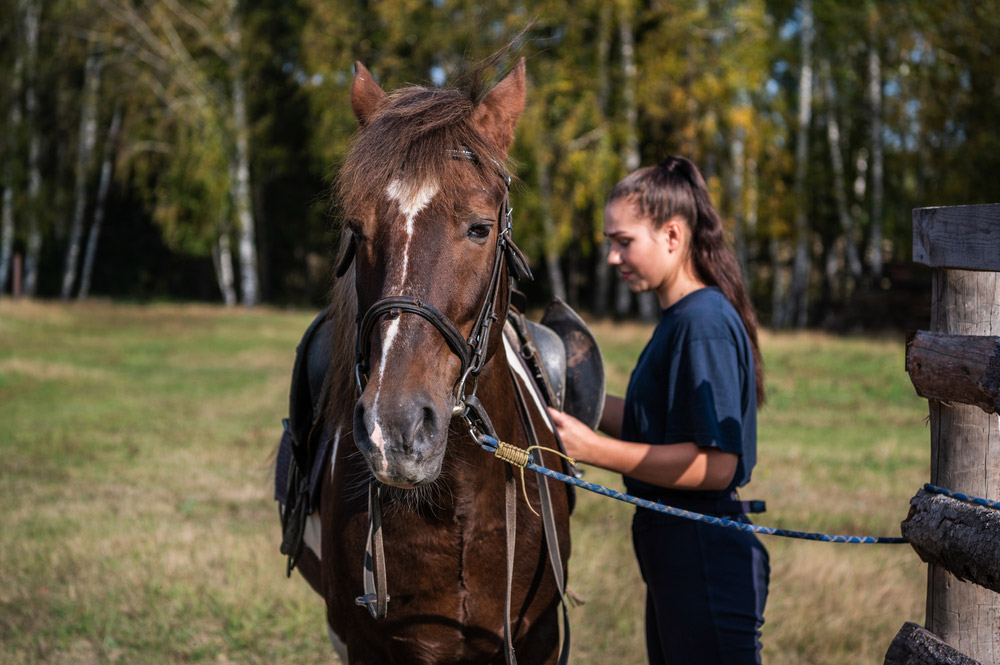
point(471, 351)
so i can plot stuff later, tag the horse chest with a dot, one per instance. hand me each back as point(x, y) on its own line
point(446, 577)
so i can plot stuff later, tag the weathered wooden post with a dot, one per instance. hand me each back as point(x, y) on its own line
point(961, 244)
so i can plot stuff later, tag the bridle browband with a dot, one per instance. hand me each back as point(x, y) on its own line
point(471, 351)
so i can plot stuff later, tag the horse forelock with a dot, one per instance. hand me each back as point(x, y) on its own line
point(412, 140)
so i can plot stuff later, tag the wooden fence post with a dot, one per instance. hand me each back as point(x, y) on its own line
point(958, 242)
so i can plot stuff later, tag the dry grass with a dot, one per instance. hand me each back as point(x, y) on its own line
point(138, 525)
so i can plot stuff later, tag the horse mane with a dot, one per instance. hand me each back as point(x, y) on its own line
point(412, 137)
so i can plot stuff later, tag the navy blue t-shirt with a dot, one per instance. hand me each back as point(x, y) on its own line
point(694, 382)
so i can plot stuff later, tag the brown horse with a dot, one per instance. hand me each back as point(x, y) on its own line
point(427, 262)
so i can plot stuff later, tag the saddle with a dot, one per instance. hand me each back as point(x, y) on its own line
point(559, 352)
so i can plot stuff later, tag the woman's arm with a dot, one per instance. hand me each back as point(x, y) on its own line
point(678, 466)
point(611, 417)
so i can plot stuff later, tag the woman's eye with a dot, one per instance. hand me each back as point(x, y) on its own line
point(479, 231)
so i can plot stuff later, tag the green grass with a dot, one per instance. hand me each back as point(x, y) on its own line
point(137, 523)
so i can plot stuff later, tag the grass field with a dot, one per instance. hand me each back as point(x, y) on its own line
point(137, 524)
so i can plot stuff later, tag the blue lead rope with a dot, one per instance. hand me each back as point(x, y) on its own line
point(490, 444)
point(963, 497)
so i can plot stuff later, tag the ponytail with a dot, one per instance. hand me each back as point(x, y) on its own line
point(675, 188)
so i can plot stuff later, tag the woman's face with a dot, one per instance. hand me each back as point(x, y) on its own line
point(646, 258)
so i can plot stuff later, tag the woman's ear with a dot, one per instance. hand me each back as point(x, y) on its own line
point(675, 234)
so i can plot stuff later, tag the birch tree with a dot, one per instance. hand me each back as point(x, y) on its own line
point(837, 166)
point(875, 110)
point(103, 187)
point(10, 172)
point(31, 13)
point(192, 59)
point(84, 152)
point(631, 158)
point(240, 164)
point(797, 309)
point(602, 277)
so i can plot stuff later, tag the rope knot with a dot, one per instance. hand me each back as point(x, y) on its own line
point(512, 454)
point(520, 457)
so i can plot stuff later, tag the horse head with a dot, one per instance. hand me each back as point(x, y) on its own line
point(424, 198)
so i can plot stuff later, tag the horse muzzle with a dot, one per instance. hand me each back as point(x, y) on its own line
point(403, 443)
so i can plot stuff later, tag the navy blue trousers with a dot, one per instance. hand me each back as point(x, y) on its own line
point(706, 587)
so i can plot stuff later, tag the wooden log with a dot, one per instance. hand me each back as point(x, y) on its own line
point(960, 537)
point(955, 368)
point(965, 457)
point(958, 237)
point(914, 645)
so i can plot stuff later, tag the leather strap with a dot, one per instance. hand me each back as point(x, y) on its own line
point(375, 599)
point(510, 501)
point(393, 306)
point(548, 517)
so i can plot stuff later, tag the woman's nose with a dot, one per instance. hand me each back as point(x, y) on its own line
point(614, 257)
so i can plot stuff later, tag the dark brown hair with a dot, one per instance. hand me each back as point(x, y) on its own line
point(675, 188)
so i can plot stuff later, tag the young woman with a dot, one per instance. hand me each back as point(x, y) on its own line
point(686, 432)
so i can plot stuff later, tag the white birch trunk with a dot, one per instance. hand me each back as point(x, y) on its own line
point(779, 316)
point(107, 166)
point(798, 293)
point(32, 16)
point(84, 155)
point(752, 202)
point(648, 306)
point(837, 165)
point(875, 102)
point(240, 168)
point(6, 228)
point(736, 179)
point(556, 280)
point(603, 277)
point(7, 205)
point(222, 256)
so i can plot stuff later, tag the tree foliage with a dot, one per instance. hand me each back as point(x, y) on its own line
point(908, 92)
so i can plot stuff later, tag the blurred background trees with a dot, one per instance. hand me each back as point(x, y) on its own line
point(184, 148)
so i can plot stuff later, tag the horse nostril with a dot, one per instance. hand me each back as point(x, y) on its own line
point(430, 418)
point(360, 429)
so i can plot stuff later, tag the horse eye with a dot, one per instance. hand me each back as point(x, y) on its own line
point(479, 231)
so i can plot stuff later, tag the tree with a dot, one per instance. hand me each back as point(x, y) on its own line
point(796, 308)
point(31, 15)
point(84, 152)
point(104, 186)
point(10, 174)
point(191, 58)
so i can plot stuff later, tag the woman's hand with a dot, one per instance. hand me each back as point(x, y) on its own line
point(682, 466)
point(578, 439)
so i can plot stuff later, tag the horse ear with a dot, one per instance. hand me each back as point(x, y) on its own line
point(366, 95)
point(497, 115)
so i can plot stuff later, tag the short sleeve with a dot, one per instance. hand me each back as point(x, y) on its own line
point(705, 406)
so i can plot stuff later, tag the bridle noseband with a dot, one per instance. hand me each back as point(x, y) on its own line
point(471, 351)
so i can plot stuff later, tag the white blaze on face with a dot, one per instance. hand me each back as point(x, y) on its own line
point(411, 199)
